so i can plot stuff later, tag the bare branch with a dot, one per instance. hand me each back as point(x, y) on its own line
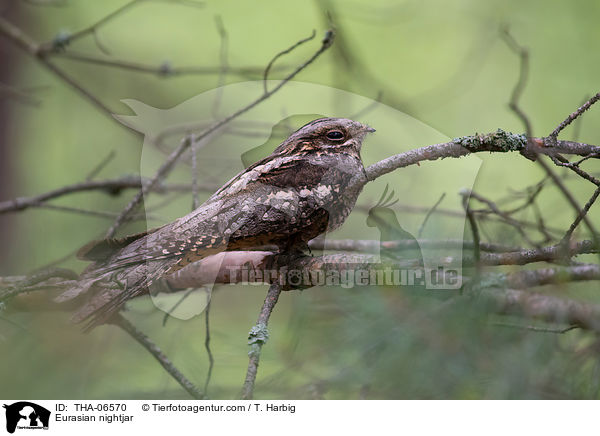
point(185, 144)
point(575, 115)
point(162, 70)
point(223, 63)
point(225, 267)
point(582, 214)
point(498, 142)
point(372, 246)
point(552, 254)
point(258, 337)
point(108, 186)
point(572, 201)
point(96, 213)
point(429, 213)
point(474, 231)
point(534, 328)
point(195, 189)
point(157, 353)
point(521, 82)
point(18, 37)
point(552, 276)
point(281, 53)
point(103, 163)
point(548, 308)
point(211, 359)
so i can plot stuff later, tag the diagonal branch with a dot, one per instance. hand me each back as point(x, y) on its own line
point(575, 115)
point(157, 353)
point(26, 43)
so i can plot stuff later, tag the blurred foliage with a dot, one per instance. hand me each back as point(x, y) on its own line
point(440, 62)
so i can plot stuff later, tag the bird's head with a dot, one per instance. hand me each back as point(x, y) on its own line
point(326, 135)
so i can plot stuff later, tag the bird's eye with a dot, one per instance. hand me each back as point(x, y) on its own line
point(335, 135)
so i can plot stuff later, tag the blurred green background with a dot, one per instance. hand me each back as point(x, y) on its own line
point(443, 63)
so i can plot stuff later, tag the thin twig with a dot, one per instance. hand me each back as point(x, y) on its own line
point(281, 53)
point(429, 213)
point(163, 70)
point(91, 29)
point(166, 167)
point(194, 169)
point(584, 107)
point(537, 328)
point(211, 359)
point(96, 213)
point(223, 64)
point(522, 80)
point(145, 342)
point(574, 166)
point(257, 337)
point(475, 232)
point(94, 172)
point(570, 198)
point(580, 216)
point(578, 123)
point(18, 37)
point(108, 186)
point(371, 106)
point(176, 305)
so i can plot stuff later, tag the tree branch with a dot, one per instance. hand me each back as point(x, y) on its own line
point(498, 142)
point(108, 186)
point(257, 337)
point(187, 142)
point(545, 307)
point(157, 353)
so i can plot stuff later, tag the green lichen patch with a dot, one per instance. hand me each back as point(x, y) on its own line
point(498, 141)
point(257, 337)
point(258, 334)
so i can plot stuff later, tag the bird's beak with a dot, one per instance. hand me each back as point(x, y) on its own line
point(368, 129)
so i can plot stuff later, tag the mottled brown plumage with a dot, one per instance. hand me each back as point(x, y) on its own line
point(286, 199)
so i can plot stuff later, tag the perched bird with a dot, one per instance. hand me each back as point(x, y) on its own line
point(285, 199)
